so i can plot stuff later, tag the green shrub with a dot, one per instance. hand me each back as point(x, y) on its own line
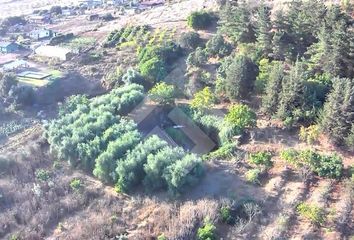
point(309, 134)
point(76, 184)
point(261, 158)
point(183, 173)
point(253, 175)
point(225, 151)
point(42, 175)
point(324, 165)
point(241, 116)
point(313, 213)
point(226, 215)
point(162, 93)
point(199, 20)
point(71, 103)
point(162, 237)
point(291, 156)
point(217, 46)
point(207, 232)
point(132, 76)
point(203, 99)
point(130, 171)
point(153, 69)
point(23, 95)
point(190, 40)
point(197, 58)
point(157, 164)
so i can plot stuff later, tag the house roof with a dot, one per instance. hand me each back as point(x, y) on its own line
point(5, 44)
point(52, 50)
point(39, 31)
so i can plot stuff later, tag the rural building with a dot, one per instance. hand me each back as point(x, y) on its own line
point(9, 47)
point(39, 19)
point(14, 65)
point(91, 3)
point(44, 33)
point(152, 3)
point(54, 52)
point(93, 17)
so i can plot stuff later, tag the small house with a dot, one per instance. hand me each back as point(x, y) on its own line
point(91, 3)
point(93, 17)
point(38, 19)
point(15, 65)
point(9, 47)
point(54, 52)
point(44, 33)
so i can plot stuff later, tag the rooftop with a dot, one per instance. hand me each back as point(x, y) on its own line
point(5, 44)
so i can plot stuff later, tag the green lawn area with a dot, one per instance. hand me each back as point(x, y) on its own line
point(33, 82)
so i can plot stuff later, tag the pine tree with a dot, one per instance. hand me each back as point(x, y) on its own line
point(338, 112)
point(282, 42)
point(333, 53)
point(263, 29)
point(292, 94)
point(240, 77)
point(271, 99)
point(235, 21)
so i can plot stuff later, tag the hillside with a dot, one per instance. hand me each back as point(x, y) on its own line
point(184, 120)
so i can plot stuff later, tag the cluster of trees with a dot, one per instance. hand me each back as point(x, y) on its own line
point(300, 60)
point(125, 34)
point(9, 22)
point(95, 136)
point(155, 60)
point(215, 47)
point(13, 93)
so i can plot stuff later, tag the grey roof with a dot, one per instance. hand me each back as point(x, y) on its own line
point(5, 44)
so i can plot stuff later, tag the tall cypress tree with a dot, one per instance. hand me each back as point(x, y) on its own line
point(292, 94)
point(271, 99)
point(282, 43)
point(263, 29)
point(240, 77)
point(338, 112)
point(235, 22)
point(333, 53)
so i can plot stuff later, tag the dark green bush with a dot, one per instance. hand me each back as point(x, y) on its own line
point(261, 158)
point(200, 20)
point(153, 69)
point(190, 40)
point(197, 58)
point(217, 46)
point(42, 175)
point(226, 215)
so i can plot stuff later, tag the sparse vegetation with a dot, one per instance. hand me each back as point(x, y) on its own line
point(261, 158)
point(252, 176)
point(207, 232)
point(313, 213)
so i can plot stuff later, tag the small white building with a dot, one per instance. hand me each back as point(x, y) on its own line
point(54, 52)
point(39, 34)
point(14, 65)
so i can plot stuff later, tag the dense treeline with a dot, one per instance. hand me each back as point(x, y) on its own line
point(299, 58)
point(94, 135)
